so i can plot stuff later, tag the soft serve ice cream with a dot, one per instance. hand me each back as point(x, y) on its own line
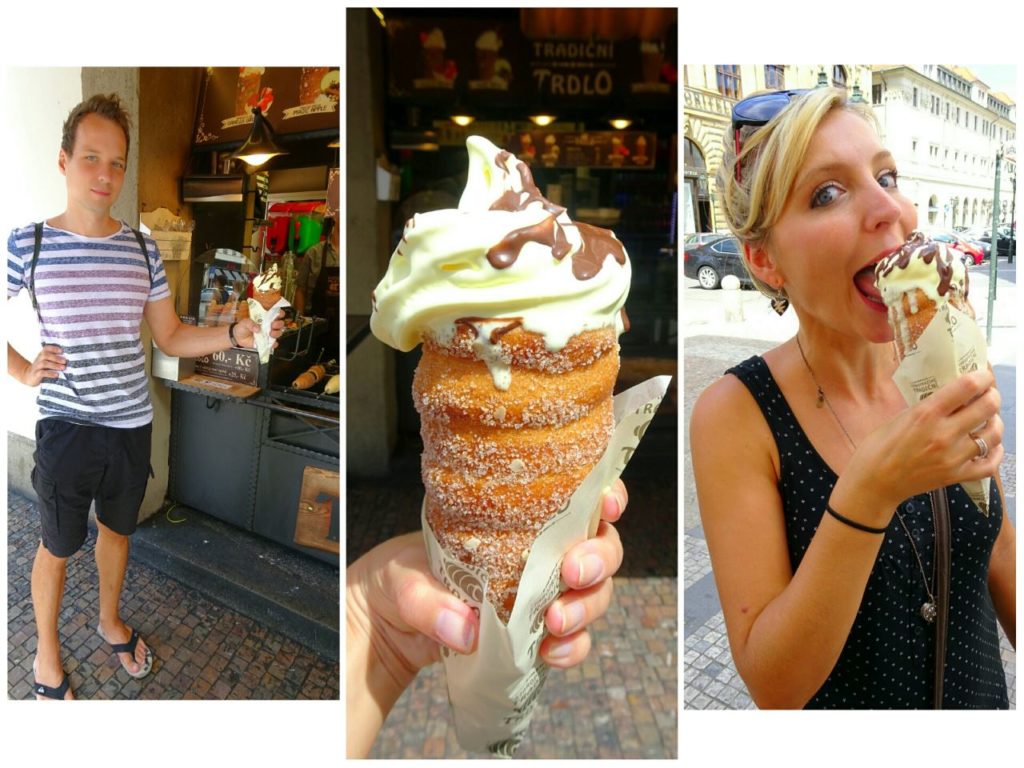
point(505, 252)
point(916, 280)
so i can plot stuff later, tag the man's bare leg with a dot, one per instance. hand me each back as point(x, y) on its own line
point(48, 575)
point(111, 563)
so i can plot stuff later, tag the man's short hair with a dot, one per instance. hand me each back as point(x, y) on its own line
point(104, 105)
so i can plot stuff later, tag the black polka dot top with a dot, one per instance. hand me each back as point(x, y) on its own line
point(889, 658)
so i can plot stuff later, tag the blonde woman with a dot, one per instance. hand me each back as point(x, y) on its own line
point(812, 473)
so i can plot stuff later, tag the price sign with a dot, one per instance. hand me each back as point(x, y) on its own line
point(237, 365)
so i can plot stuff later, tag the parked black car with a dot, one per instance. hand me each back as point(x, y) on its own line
point(709, 263)
point(1007, 242)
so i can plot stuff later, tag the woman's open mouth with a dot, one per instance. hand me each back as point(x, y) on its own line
point(864, 280)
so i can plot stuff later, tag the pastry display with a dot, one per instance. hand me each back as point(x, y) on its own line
point(333, 385)
point(519, 311)
point(915, 281)
point(309, 377)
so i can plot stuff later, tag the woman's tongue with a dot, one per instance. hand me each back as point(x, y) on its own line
point(865, 282)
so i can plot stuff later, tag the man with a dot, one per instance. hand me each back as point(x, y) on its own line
point(93, 285)
point(317, 286)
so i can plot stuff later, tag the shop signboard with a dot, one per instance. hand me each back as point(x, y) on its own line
point(586, 149)
point(294, 99)
point(472, 62)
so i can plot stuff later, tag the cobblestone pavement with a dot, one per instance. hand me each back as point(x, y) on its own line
point(621, 702)
point(710, 680)
point(202, 650)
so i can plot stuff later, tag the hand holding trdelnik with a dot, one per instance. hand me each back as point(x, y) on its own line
point(519, 311)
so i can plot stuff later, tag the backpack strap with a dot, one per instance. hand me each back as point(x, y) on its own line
point(32, 268)
point(145, 252)
point(35, 258)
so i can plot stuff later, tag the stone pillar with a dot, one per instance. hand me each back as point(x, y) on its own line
point(371, 403)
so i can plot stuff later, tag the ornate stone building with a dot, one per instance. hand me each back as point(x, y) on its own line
point(945, 127)
point(709, 93)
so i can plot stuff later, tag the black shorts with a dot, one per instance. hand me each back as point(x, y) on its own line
point(77, 464)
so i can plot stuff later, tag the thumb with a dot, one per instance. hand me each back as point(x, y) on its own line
point(427, 606)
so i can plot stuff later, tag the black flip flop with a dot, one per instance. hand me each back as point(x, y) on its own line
point(52, 693)
point(129, 648)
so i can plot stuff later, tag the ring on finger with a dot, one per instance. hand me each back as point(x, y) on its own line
point(982, 447)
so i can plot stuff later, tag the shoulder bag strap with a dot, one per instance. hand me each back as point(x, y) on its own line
point(942, 557)
point(32, 266)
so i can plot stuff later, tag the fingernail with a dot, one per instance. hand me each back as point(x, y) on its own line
point(572, 617)
point(454, 630)
point(559, 651)
point(612, 506)
point(591, 570)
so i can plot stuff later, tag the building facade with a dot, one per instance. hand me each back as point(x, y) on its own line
point(945, 127)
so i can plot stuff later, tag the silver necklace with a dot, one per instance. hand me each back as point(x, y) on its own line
point(928, 610)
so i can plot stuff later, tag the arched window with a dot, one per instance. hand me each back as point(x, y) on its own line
point(838, 75)
point(933, 209)
point(693, 158)
point(696, 215)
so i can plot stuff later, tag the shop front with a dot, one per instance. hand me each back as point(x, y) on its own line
point(587, 98)
point(254, 437)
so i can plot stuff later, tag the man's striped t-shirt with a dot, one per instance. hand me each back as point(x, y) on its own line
point(91, 293)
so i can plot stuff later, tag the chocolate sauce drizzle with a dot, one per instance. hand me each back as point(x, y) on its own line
point(929, 251)
point(596, 244)
point(546, 232)
point(511, 323)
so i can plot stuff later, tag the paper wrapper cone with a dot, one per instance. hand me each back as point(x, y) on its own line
point(493, 691)
point(950, 345)
point(264, 317)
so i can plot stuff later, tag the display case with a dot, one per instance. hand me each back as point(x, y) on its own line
point(263, 456)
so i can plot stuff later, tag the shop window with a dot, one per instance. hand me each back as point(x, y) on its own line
point(728, 80)
point(775, 77)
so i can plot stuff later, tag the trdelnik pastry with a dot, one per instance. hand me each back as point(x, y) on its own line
point(916, 281)
point(266, 287)
point(519, 311)
point(924, 286)
point(264, 308)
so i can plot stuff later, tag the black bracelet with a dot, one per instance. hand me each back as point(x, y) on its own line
point(853, 523)
point(231, 335)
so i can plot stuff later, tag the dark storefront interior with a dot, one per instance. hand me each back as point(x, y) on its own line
point(624, 180)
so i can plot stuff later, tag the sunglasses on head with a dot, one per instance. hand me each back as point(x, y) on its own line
point(755, 111)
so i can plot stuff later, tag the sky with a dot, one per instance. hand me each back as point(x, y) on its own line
point(998, 77)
